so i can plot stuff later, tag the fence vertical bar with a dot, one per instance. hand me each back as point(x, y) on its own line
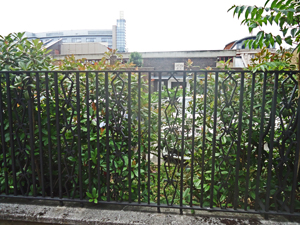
point(273, 114)
point(49, 133)
point(3, 137)
point(40, 132)
point(107, 135)
point(193, 138)
point(237, 167)
point(203, 138)
point(87, 98)
point(149, 133)
point(31, 134)
point(11, 132)
point(260, 147)
point(79, 130)
point(98, 136)
point(58, 136)
point(296, 165)
point(139, 137)
point(159, 141)
point(249, 140)
point(182, 143)
point(129, 135)
point(214, 140)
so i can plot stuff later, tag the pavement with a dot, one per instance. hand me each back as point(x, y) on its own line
point(34, 212)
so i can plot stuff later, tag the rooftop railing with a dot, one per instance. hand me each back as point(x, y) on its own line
point(217, 141)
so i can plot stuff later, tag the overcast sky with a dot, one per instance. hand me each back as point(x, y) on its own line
point(155, 25)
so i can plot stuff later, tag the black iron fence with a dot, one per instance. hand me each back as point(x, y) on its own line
point(216, 141)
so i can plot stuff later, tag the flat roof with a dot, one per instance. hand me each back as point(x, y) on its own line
point(167, 54)
point(66, 33)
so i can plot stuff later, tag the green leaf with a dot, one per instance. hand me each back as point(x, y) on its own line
point(271, 19)
point(284, 31)
point(290, 17)
point(223, 140)
point(274, 4)
point(265, 20)
point(255, 45)
point(266, 3)
point(291, 10)
point(94, 191)
point(260, 36)
point(253, 25)
point(278, 39)
point(281, 22)
point(89, 194)
point(231, 8)
point(186, 193)
point(288, 40)
point(246, 14)
point(242, 8)
point(253, 13)
point(249, 9)
point(272, 41)
point(252, 194)
point(237, 9)
point(277, 18)
point(268, 37)
point(293, 31)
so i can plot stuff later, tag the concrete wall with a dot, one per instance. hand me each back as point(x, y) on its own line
point(169, 63)
point(114, 36)
point(55, 49)
point(82, 48)
point(167, 60)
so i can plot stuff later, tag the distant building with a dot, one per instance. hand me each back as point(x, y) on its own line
point(169, 61)
point(114, 38)
point(121, 33)
point(243, 54)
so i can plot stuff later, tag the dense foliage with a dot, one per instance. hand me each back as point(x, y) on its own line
point(76, 97)
point(284, 14)
point(136, 58)
point(17, 53)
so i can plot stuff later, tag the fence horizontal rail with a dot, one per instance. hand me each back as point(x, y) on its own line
point(211, 140)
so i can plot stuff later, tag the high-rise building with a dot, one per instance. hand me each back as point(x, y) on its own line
point(114, 38)
point(121, 33)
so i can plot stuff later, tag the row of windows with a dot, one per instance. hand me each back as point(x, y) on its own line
point(79, 40)
point(76, 40)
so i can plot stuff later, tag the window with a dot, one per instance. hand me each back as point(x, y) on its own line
point(76, 40)
point(64, 40)
point(90, 39)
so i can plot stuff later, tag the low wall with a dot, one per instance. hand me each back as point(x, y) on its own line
point(39, 212)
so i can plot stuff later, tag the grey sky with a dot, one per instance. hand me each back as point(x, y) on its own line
point(156, 25)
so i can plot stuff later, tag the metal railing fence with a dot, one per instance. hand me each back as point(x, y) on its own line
point(200, 140)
